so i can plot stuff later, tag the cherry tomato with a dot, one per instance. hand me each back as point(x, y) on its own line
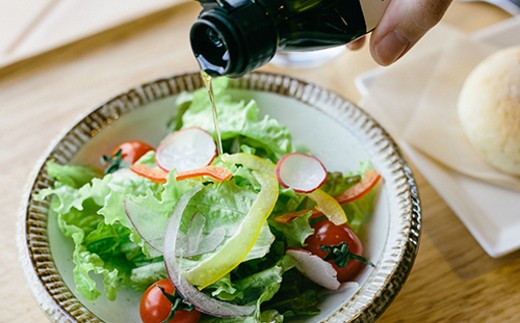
point(328, 234)
point(155, 307)
point(131, 151)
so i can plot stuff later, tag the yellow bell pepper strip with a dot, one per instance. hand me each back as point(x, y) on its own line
point(236, 248)
point(328, 205)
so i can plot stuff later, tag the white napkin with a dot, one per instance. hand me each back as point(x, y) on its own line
point(414, 100)
point(422, 92)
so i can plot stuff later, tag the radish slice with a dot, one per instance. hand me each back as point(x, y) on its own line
point(186, 149)
point(303, 173)
point(316, 269)
point(202, 302)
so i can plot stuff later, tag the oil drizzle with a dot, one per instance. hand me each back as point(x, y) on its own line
point(207, 79)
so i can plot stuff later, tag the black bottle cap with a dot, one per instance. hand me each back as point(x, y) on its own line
point(233, 41)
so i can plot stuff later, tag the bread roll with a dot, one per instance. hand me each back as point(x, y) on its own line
point(489, 109)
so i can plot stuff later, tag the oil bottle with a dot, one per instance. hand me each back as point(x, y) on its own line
point(234, 37)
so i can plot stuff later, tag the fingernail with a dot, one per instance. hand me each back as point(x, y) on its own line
point(391, 47)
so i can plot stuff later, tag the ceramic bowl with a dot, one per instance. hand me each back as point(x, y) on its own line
point(337, 131)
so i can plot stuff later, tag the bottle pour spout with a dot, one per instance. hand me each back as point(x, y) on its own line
point(210, 48)
point(233, 41)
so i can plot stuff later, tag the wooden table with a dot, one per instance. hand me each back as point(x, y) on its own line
point(453, 280)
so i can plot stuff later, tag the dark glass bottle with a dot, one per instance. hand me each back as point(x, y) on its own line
point(234, 37)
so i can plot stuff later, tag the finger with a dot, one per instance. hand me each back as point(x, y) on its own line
point(356, 44)
point(402, 25)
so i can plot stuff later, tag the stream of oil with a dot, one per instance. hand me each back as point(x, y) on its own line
point(207, 79)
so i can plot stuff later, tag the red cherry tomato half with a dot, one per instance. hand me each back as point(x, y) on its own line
point(131, 151)
point(328, 234)
point(155, 307)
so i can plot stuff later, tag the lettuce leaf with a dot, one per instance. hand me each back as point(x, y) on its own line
point(239, 123)
point(73, 176)
point(99, 249)
point(360, 211)
point(256, 288)
point(93, 216)
point(296, 231)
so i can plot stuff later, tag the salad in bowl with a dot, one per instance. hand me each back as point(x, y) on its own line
point(264, 229)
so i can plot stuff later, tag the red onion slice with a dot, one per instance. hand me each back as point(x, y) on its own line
point(188, 292)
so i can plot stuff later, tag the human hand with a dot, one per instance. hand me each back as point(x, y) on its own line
point(402, 25)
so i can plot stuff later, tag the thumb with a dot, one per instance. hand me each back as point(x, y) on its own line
point(402, 25)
